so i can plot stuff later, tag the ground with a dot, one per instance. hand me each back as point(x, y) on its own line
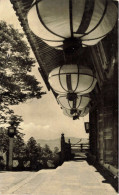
point(72, 178)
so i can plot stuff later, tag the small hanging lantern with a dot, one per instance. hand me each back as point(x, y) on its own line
point(56, 21)
point(87, 127)
point(76, 103)
point(72, 79)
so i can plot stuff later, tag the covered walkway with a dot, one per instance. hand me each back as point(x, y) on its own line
point(72, 178)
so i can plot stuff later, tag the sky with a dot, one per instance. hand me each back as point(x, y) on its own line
point(43, 118)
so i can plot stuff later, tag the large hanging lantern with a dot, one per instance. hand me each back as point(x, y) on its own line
point(57, 21)
point(72, 79)
point(77, 103)
point(77, 114)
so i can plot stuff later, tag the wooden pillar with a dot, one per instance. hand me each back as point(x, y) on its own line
point(107, 126)
point(108, 135)
point(100, 133)
point(93, 131)
point(115, 137)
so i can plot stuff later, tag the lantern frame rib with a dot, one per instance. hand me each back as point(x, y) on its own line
point(87, 15)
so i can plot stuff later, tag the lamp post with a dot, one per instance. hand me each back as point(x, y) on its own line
point(11, 133)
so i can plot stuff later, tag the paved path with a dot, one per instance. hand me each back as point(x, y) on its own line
point(72, 178)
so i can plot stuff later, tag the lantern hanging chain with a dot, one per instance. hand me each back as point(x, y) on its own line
point(104, 12)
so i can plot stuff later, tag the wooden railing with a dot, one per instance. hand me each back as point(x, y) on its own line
point(79, 147)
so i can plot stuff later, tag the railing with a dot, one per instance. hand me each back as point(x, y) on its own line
point(79, 147)
point(69, 151)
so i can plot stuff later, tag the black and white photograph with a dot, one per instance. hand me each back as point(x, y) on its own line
point(59, 97)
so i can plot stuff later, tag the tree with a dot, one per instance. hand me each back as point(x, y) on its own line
point(56, 157)
point(32, 152)
point(56, 150)
point(46, 155)
point(4, 140)
point(19, 150)
point(16, 85)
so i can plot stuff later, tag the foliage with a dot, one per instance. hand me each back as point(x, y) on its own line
point(4, 140)
point(56, 150)
point(19, 148)
point(16, 85)
point(31, 151)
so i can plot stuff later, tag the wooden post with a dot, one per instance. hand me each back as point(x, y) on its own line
point(69, 149)
point(81, 147)
point(62, 148)
point(10, 155)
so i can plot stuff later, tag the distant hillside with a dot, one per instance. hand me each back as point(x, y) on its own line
point(56, 142)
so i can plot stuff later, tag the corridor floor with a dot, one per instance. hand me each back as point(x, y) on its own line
point(72, 178)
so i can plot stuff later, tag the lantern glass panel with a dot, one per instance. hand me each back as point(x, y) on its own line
point(11, 130)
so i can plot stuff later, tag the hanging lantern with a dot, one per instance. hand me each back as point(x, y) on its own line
point(77, 103)
point(11, 131)
point(87, 127)
point(56, 21)
point(72, 79)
